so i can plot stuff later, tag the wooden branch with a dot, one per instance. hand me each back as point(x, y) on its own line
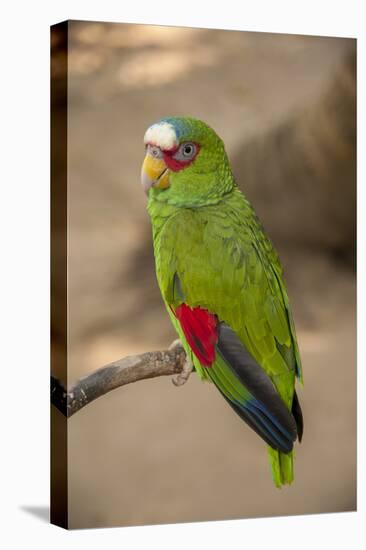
point(116, 374)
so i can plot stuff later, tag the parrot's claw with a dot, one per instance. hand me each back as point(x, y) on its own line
point(183, 376)
point(188, 367)
point(176, 344)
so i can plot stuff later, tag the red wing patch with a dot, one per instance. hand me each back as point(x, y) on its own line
point(200, 329)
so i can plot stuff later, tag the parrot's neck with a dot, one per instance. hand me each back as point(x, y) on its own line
point(162, 211)
point(197, 189)
point(163, 198)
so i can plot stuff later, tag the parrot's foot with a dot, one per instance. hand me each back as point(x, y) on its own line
point(183, 376)
point(176, 344)
point(188, 367)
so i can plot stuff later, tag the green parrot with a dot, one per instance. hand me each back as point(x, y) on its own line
point(222, 285)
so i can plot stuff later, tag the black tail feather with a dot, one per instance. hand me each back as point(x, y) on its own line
point(297, 414)
point(282, 445)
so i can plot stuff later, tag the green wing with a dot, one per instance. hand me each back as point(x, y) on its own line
point(228, 266)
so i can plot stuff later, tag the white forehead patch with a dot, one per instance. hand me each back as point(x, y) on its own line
point(161, 134)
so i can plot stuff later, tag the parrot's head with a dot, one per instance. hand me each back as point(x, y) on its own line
point(185, 163)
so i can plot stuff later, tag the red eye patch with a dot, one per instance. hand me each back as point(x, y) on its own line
point(175, 164)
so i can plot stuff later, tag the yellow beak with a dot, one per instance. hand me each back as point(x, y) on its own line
point(154, 173)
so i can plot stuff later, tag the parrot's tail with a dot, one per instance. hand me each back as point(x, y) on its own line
point(282, 466)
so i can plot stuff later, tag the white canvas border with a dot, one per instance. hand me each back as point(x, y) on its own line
point(25, 271)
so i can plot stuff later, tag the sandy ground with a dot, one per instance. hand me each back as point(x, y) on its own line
point(150, 452)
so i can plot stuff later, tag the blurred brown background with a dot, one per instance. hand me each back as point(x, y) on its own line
point(285, 108)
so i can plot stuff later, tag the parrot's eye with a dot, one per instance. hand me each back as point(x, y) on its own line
point(154, 151)
point(186, 151)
